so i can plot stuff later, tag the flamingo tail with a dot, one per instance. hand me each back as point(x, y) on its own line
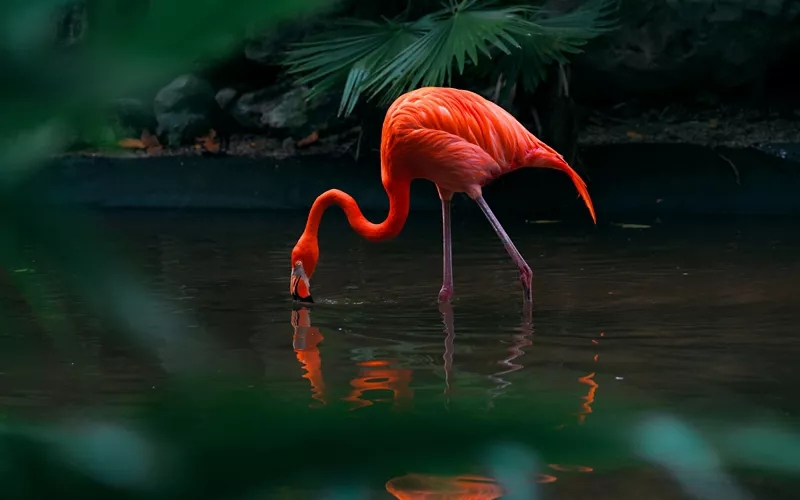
point(545, 157)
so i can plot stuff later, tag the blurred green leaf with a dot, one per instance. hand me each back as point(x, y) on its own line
point(49, 92)
point(210, 439)
point(123, 50)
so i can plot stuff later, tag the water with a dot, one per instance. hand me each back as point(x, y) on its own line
point(699, 315)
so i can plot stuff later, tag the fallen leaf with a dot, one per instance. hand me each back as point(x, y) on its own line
point(543, 221)
point(570, 468)
point(630, 226)
point(131, 144)
point(209, 142)
point(151, 141)
point(632, 134)
point(310, 139)
point(713, 123)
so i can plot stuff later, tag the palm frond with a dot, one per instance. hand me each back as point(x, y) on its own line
point(349, 53)
point(547, 38)
point(457, 35)
point(389, 58)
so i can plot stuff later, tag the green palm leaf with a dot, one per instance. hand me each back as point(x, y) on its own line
point(389, 58)
point(547, 38)
point(457, 33)
point(349, 53)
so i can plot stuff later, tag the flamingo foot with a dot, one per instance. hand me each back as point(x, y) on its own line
point(445, 294)
point(526, 278)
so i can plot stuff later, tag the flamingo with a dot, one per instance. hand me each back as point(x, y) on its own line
point(459, 141)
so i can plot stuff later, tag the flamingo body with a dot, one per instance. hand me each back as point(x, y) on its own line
point(454, 138)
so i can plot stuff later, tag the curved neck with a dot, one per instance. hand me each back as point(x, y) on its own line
point(399, 199)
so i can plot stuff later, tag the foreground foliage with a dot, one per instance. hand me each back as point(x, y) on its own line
point(201, 437)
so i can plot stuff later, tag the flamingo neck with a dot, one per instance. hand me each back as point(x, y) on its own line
point(399, 201)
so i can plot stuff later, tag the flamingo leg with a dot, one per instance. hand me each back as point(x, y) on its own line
point(525, 273)
point(446, 292)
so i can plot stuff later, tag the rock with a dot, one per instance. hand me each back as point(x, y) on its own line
point(184, 109)
point(288, 145)
point(222, 121)
point(686, 45)
point(132, 116)
point(323, 116)
point(225, 97)
point(272, 109)
point(286, 149)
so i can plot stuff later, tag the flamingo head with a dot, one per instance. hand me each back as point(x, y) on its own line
point(304, 260)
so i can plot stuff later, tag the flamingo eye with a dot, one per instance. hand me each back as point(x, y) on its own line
point(298, 264)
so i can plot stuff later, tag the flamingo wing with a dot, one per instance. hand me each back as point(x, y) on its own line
point(451, 162)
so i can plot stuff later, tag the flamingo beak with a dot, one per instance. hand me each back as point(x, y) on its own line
point(299, 286)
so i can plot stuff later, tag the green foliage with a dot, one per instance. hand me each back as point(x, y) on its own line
point(51, 94)
point(557, 38)
point(391, 57)
point(123, 51)
point(202, 438)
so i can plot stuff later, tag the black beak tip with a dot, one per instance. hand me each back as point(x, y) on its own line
point(298, 298)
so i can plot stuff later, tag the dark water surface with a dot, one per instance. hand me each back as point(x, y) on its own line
point(701, 315)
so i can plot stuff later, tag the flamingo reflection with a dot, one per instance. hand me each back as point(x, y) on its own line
point(305, 341)
point(377, 376)
point(449, 344)
point(429, 487)
point(462, 487)
point(373, 376)
point(515, 352)
point(586, 407)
